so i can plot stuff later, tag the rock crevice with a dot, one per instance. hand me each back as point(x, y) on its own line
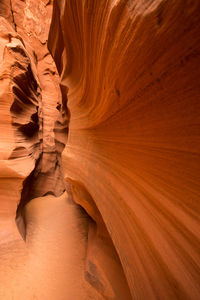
point(115, 213)
point(13, 19)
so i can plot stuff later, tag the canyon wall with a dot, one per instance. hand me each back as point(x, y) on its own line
point(30, 147)
point(100, 163)
point(34, 128)
point(131, 74)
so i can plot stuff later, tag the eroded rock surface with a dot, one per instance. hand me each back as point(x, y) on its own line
point(34, 123)
point(115, 213)
point(132, 73)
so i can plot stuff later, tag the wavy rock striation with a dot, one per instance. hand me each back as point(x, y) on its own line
point(118, 216)
point(20, 127)
point(32, 110)
point(33, 128)
point(130, 70)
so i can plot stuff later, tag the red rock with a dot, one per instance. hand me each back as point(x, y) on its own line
point(117, 216)
point(131, 69)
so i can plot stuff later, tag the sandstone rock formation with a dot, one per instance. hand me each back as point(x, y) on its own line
point(114, 214)
point(132, 72)
point(34, 127)
point(28, 75)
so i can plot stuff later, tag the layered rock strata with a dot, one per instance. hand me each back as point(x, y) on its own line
point(34, 125)
point(33, 134)
point(131, 70)
point(118, 216)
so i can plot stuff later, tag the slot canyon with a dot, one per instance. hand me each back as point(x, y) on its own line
point(99, 149)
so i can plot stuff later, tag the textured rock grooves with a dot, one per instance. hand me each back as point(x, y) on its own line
point(115, 213)
point(38, 117)
point(132, 71)
point(38, 120)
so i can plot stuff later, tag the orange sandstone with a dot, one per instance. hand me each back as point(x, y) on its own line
point(116, 214)
point(132, 72)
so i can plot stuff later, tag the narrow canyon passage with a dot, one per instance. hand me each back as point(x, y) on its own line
point(63, 254)
point(51, 263)
point(99, 149)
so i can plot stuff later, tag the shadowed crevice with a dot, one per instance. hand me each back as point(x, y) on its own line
point(101, 255)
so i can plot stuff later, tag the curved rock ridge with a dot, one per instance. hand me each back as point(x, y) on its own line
point(131, 73)
point(39, 121)
point(20, 107)
point(33, 123)
point(33, 127)
point(20, 97)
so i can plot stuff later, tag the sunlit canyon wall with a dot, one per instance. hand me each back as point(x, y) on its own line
point(114, 214)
